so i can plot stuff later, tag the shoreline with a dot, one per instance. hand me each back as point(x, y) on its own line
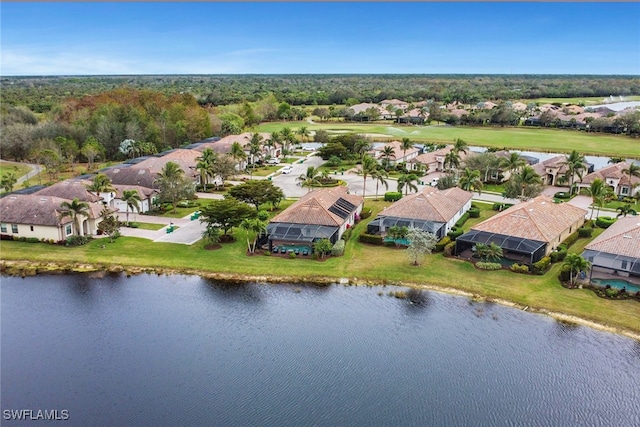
point(27, 268)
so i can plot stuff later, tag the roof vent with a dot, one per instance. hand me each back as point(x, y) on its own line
point(626, 236)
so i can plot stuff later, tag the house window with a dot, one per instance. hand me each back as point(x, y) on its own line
point(3, 228)
point(31, 227)
point(67, 229)
point(14, 228)
point(624, 190)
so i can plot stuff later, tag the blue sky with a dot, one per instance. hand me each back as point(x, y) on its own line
point(285, 38)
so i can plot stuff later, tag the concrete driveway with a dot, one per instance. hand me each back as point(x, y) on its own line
point(187, 233)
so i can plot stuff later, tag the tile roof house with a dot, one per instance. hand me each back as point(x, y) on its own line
point(552, 169)
point(323, 213)
point(432, 210)
point(434, 161)
point(622, 183)
point(223, 146)
point(399, 154)
point(617, 249)
point(526, 231)
point(186, 159)
point(143, 177)
point(70, 189)
point(38, 216)
point(113, 199)
point(396, 103)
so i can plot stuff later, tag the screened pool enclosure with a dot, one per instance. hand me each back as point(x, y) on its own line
point(524, 249)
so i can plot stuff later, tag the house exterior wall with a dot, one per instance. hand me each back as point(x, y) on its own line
point(39, 231)
point(122, 206)
point(456, 217)
point(572, 229)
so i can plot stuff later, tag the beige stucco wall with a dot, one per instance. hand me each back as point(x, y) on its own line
point(574, 227)
point(39, 232)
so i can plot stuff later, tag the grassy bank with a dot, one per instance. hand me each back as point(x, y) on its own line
point(523, 138)
point(361, 263)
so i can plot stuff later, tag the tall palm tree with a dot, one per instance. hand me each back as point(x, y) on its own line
point(408, 182)
point(362, 146)
point(254, 228)
point(527, 176)
point(513, 162)
point(380, 176)
point(255, 146)
point(205, 166)
point(451, 160)
point(169, 179)
point(470, 180)
point(368, 165)
point(74, 209)
point(632, 170)
point(405, 144)
point(460, 146)
point(132, 199)
point(599, 191)
point(388, 153)
point(310, 178)
point(303, 132)
point(576, 264)
point(616, 160)
point(100, 184)
point(575, 164)
point(237, 153)
point(288, 138)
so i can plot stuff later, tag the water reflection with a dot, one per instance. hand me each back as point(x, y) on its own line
point(233, 291)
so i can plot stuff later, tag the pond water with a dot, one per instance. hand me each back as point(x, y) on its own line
point(182, 350)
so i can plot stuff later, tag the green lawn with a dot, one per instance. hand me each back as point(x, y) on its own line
point(18, 169)
point(530, 139)
point(376, 264)
point(149, 226)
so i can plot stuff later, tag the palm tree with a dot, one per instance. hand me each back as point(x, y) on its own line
point(470, 180)
point(527, 176)
point(576, 264)
point(405, 144)
point(132, 199)
point(599, 191)
point(632, 170)
point(205, 165)
point(575, 166)
point(288, 137)
point(254, 228)
point(616, 160)
point(74, 209)
point(380, 176)
point(460, 146)
point(368, 165)
point(8, 181)
point(387, 154)
point(303, 132)
point(407, 181)
point(451, 160)
point(625, 210)
point(168, 180)
point(255, 146)
point(361, 147)
point(490, 252)
point(513, 162)
point(310, 178)
point(100, 184)
point(237, 152)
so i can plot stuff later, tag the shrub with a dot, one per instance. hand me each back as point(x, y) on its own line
point(392, 196)
point(474, 213)
point(366, 213)
point(371, 238)
point(449, 248)
point(559, 255)
point(442, 243)
point(292, 255)
point(562, 195)
point(76, 241)
point(33, 240)
point(347, 234)
point(571, 239)
point(565, 273)
point(454, 234)
point(585, 231)
point(541, 266)
point(133, 225)
point(517, 268)
point(605, 222)
point(462, 219)
point(501, 206)
point(338, 248)
point(488, 265)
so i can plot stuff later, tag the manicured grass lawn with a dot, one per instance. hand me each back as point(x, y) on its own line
point(617, 204)
point(496, 188)
point(266, 170)
point(18, 169)
point(150, 226)
point(530, 139)
point(377, 264)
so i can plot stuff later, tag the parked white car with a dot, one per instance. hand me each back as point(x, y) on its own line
point(273, 161)
point(287, 169)
point(434, 182)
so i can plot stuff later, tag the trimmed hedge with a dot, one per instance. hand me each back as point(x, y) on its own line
point(474, 213)
point(442, 243)
point(541, 266)
point(489, 265)
point(371, 238)
point(501, 206)
point(517, 268)
point(585, 231)
point(392, 196)
point(560, 254)
point(462, 219)
point(605, 222)
point(338, 248)
point(449, 248)
point(571, 239)
point(455, 233)
point(76, 241)
point(366, 213)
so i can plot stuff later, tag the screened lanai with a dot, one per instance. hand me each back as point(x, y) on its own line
point(613, 261)
point(525, 250)
point(383, 223)
point(282, 233)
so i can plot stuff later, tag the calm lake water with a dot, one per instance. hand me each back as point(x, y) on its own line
point(181, 350)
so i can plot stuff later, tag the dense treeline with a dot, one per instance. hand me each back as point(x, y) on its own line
point(41, 94)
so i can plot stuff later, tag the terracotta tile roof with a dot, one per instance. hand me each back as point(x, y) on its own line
point(186, 159)
point(612, 172)
point(519, 106)
point(458, 112)
point(430, 204)
point(37, 210)
point(621, 238)
point(223, 145)
point(70, 189)
point(397, 151)
point(131, 176)
point(554, 162)
point(431, 157)
point(313, 208)
point(537, 219)
point(143, 192)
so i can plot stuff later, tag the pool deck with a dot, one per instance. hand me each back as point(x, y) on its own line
point(601, 275)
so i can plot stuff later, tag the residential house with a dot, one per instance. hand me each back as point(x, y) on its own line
point(399, 155)
point(320, 214)
point(526, 232)
point(185, 158)
point(70, 189)
point(360, 111)
point(553, 171)
point(432, 210)
point(617, 250)
point(395, 103)
point(38, 216)
point(621, 183)
point(223, 146)
point(434, 161)
point(128, 175)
